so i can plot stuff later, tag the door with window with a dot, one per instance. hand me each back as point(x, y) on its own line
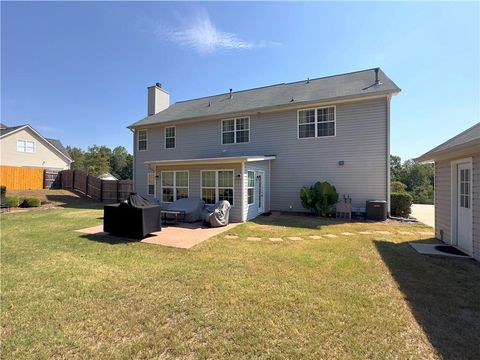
point(464, 207)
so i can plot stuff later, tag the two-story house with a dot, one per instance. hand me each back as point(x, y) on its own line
point(256, 148)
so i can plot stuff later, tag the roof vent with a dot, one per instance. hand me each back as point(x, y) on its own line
point(308, 80)
point(209, 104)
point(377, 81)
point(292, 100)
point(231, 95)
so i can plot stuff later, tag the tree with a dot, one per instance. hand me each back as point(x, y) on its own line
point(119, 163)
point(97, 160)
point(396, 169)
point(78, 157)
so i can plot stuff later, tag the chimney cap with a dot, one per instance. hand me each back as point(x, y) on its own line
point(158, 84)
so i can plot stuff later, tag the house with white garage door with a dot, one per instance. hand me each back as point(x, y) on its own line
point(457, 190)
point(256, 148)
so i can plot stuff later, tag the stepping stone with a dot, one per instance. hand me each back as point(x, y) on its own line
point(330, 235)
point(231, 237)
point(348, 233)
point(405, 232)
point(426, 233)
point(253, 238)
point(364, 232)
point(383, 232)
point(275, 239)
point(315, 237)
point(294, 238)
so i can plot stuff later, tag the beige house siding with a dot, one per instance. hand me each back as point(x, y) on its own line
point(442, 200)
point(44, 155)
point(236, 213)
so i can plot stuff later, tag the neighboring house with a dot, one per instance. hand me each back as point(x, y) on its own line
point(256, 148)
point(457, 190)
point(23, 146)
point(107, 176)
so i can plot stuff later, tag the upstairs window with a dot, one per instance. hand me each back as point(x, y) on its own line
point(170, 137)
point(251, 187)
point(142, 140)
point(25, 146)
point(318, 122)
point(236, 131)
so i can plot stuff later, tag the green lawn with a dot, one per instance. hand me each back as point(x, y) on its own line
point(68, 295)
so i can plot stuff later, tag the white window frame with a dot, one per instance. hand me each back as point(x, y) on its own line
point(154, 184)
point(235, 130)
point(317, 122)
point(216, 184)
point(174, 137)
point(25, 146)
point(251, 187)
point(174, 187)
point(146, 140)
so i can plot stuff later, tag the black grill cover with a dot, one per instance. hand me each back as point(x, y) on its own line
point(134, 218)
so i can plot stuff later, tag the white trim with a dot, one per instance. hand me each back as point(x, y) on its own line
point(388, 156)
point(146, 140)
point(216, 184)
point(242, 191)
point(235, 130)
point(454, 197)
point(174, 186)
point(248, 187)
point(165, 137)
point(262, 209)
point(316, 122)
point(154, 183)
point(219, 160)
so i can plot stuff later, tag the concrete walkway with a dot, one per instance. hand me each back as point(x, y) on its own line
point(424, 213)
point(183, 236)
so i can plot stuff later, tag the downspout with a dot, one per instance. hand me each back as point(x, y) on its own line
point(389, 97)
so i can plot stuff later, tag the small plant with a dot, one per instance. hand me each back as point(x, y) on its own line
point(319, 198)
point(400, 203)
point(11, 201)
point(31, 202)
point(3, 190)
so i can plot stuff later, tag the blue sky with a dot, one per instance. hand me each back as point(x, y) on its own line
point(79, 71)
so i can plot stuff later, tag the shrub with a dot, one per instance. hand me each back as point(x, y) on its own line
point(400, 203)
point(398, 187)
point(31, 202)
point(319, 198)
point(3, 190)
point(11, 201)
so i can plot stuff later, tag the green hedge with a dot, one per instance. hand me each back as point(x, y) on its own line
point(31, 202)
point(400, 204)
point(11, 201)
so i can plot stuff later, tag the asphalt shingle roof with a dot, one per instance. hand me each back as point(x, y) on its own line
point(466, 137)
point(58, 144)
point(360, 83)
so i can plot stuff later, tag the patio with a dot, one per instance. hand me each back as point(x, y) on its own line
point(184, 236)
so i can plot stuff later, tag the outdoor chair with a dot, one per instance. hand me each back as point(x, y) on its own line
point(218, 214)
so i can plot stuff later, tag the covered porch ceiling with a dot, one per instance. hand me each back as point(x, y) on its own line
point(215, 160)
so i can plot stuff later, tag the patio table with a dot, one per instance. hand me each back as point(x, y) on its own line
point(164, 214)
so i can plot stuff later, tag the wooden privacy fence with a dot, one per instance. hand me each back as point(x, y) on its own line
point(98, 189)
point(21, 178)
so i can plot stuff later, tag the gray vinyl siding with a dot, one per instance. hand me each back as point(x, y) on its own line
point(251, 211)
point(443, 193)
point(236, 212)
point(360, 141)
point(476, 205)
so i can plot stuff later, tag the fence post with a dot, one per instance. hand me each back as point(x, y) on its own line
point(101, 190)
point(86, 185)
point(73, 180)
point(116, 183)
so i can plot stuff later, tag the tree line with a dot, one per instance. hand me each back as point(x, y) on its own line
point(99, 160)
point(414, 178)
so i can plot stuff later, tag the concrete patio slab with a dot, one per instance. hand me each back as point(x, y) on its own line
point(253, 238)
point(275, 239)
point(429, 249)
point(348, 233)
point(295, 238)
point(184, 236)
point(315, 237)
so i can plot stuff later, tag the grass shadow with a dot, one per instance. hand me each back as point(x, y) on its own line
point(109, 239)
point(443, 295)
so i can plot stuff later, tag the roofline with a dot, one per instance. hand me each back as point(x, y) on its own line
point(270, 108)
point(217, 160)
point(38, 134)
point(439, 155)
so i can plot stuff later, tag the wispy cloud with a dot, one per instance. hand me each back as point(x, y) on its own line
point(203, 36)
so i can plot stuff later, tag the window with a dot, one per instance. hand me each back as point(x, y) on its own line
point(174, 185)
point(151, 183)
point(142, 140)
point(25, 146)
point(236, 131)
point(217, 185)
point(170, 137)
point(318, 122)
point(251, 187)
point(465, 188)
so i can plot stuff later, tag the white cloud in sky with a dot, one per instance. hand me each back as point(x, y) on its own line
point(203, 36)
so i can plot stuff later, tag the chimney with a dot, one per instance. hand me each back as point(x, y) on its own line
point(231, 94)
point(158, 99)
point(377, 81)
